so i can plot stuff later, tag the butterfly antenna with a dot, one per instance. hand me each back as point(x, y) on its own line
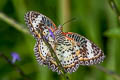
point(73, 19)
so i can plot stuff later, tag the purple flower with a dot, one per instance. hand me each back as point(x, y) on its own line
point(51, 34)
point(15, 57)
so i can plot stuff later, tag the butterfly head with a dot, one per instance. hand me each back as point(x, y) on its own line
point(60, 27)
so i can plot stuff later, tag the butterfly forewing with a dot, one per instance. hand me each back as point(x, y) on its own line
point(88, 53)
point(37, 22)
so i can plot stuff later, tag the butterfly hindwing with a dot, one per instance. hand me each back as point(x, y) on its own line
point(65, 51)
point(41, 51)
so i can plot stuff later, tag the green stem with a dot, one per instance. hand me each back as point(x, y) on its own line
point(115, 8)
point(109, 72)
point(64, 13)
point(18, 69)
point(13, 23)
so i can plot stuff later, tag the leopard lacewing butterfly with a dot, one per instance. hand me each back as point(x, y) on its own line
point(71, 48)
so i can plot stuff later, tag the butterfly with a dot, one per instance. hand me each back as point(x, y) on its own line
point(71, 48)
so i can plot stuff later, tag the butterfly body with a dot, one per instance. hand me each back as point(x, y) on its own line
point(71, 48)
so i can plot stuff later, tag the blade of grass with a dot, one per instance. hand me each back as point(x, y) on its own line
point(13, 23)
point(20, 9)
point(64, 13)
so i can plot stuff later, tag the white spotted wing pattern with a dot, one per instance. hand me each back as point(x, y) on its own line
point(71, 48)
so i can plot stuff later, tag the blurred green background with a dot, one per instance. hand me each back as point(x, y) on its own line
point(95, 19)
